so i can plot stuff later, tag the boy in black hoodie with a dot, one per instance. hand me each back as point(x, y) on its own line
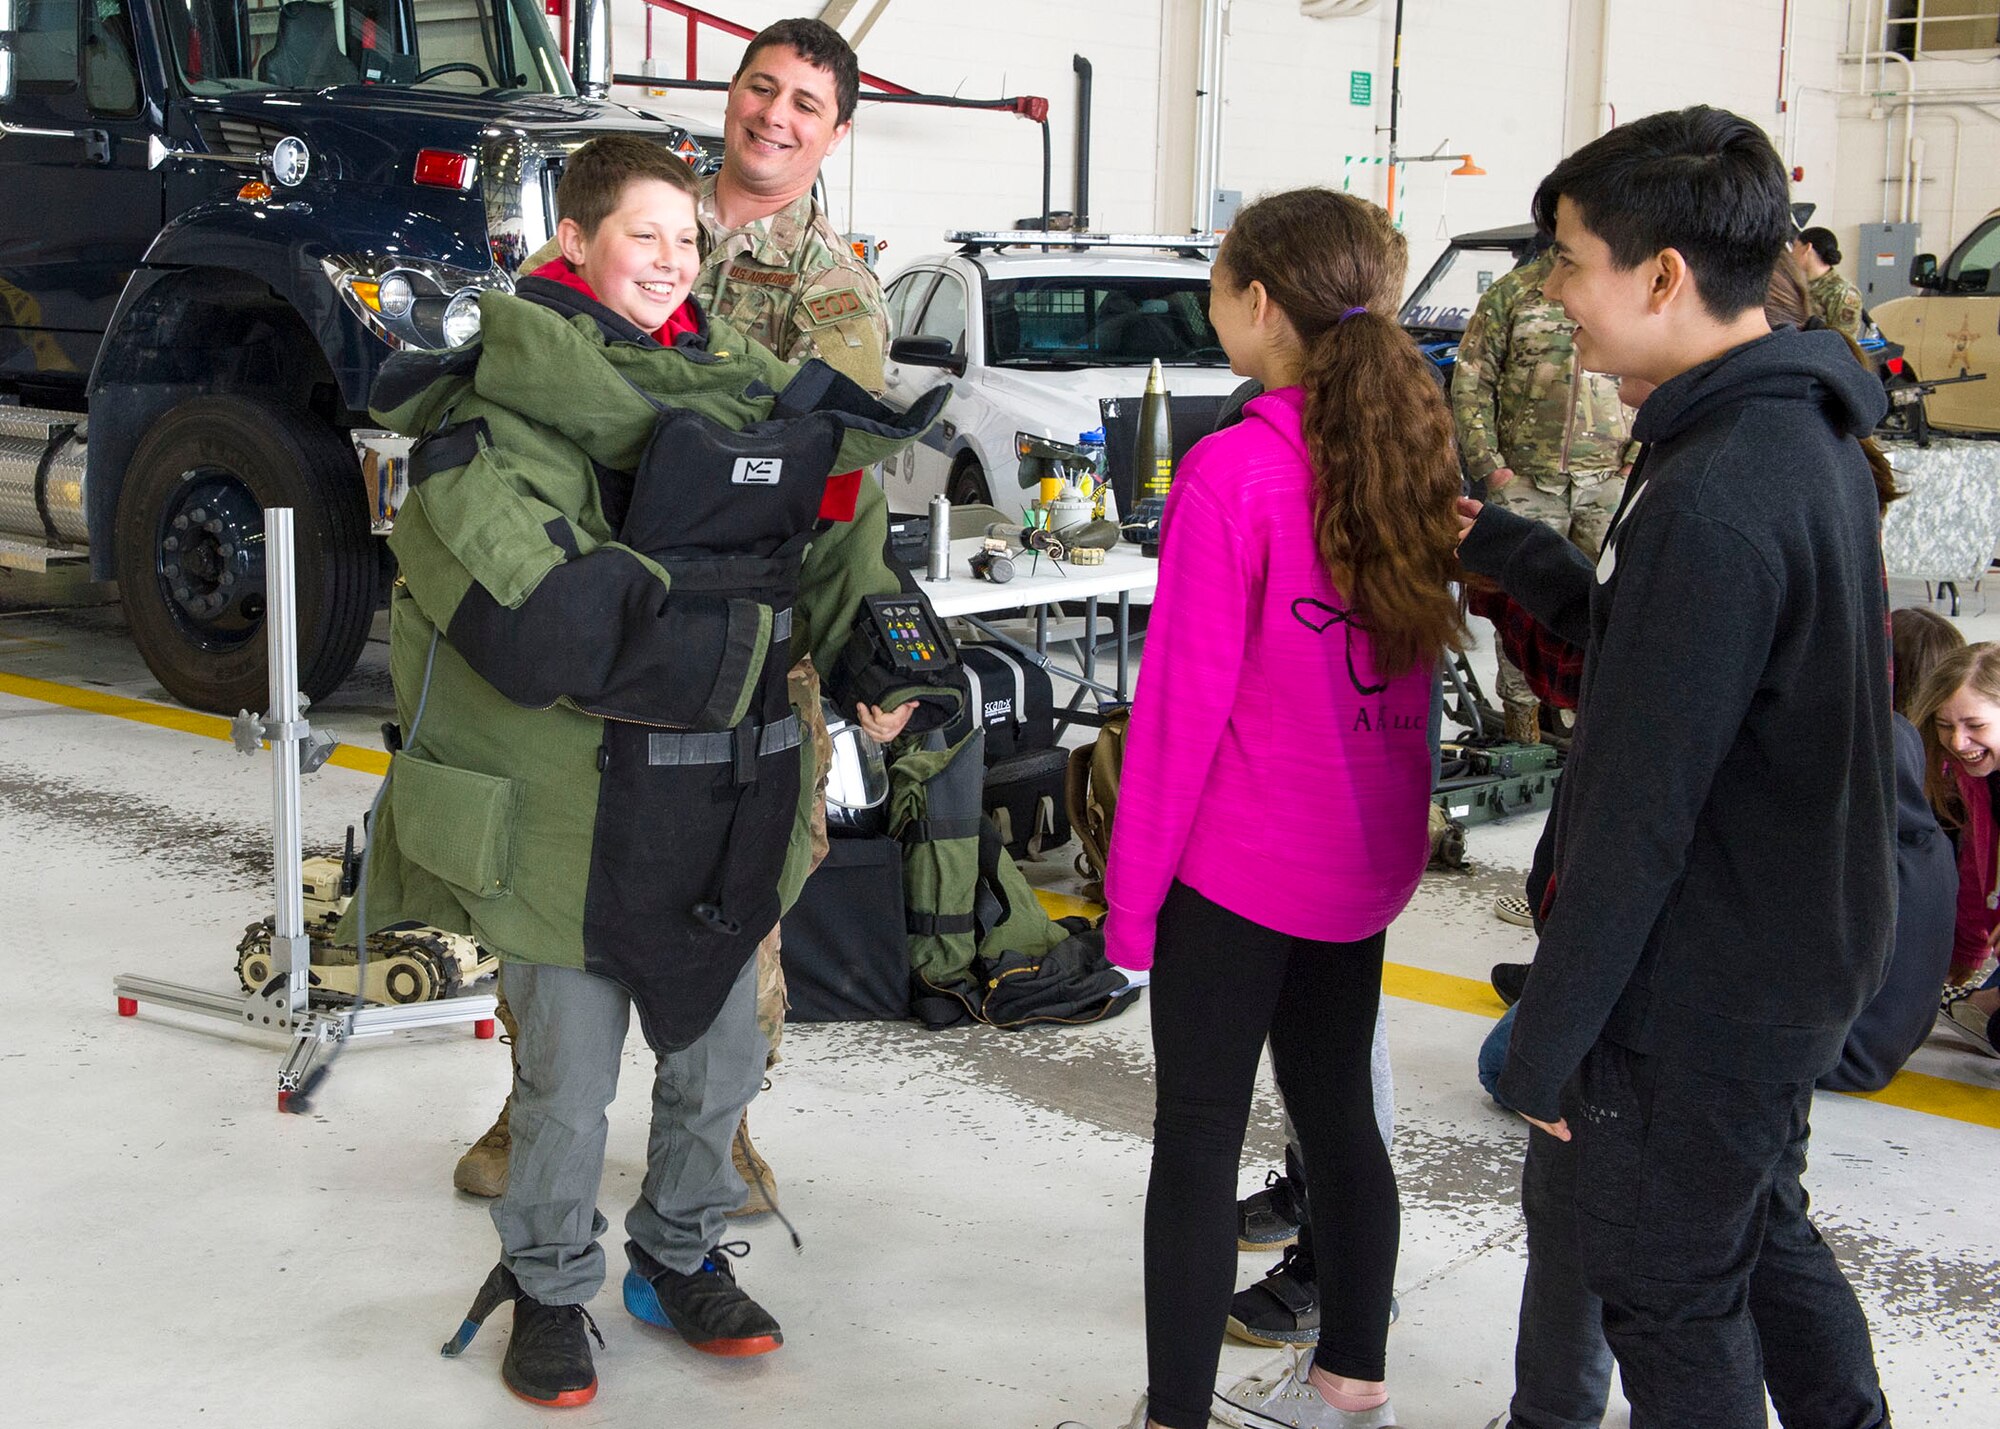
point(1723, 886)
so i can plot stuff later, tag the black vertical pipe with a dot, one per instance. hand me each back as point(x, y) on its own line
point(1395, 81)
point(1081, 65)
point(1048, 172)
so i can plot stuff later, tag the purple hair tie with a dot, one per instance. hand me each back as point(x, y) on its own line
point(1350, 313)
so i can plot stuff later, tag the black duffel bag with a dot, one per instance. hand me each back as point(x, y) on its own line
point(845, 949)
point(1012, 698)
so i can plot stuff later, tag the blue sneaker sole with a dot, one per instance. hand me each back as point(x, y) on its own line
point(642, 1301)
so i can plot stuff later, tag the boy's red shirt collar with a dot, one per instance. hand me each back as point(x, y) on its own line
point(843, 489)
point(682, 319)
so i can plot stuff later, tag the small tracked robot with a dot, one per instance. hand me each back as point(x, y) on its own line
point(405, 965)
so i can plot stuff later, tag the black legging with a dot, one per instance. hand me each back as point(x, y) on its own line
point(1221, 985)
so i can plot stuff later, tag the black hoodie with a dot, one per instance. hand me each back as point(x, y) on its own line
point(1724, 842)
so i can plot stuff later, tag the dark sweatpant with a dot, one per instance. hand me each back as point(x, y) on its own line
point(1680, 1198)
point(1222, 984)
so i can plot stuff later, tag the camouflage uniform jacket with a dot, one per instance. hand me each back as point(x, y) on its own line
point(1519, 399)
point(795, 285)
point(1838, 301)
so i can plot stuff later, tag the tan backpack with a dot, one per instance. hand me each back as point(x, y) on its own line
point(1091, 792)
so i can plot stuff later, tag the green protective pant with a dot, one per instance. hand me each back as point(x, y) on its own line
point(1582, 512)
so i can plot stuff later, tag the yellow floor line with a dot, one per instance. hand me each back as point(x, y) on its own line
point(1913, 1091)
point(366, 761)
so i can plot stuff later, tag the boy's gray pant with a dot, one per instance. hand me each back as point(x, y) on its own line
point(573, 1026)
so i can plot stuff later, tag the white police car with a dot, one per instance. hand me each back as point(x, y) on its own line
point(1030, 340)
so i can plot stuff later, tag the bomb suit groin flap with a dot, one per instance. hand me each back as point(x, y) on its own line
point(611, 554)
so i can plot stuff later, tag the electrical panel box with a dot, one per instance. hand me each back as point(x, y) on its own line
point(1882, 261)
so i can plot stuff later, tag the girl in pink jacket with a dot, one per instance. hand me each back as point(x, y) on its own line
point(1272, 809)
point(1958, 714)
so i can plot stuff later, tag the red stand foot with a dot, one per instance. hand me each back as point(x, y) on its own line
point(129, 1007)
point(283, 1098)
point(482, 1028)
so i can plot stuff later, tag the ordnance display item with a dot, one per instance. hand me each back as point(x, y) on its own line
point(1152, 464)
point(994, 561)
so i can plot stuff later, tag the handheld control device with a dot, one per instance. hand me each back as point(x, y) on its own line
point(904, 628)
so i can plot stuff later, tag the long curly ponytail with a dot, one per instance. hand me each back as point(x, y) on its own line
point(1378, 432)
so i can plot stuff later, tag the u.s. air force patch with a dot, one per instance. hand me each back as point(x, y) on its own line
point(764, 277)
point(831, 307)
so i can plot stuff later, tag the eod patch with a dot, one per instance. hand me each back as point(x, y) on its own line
point(832, 307)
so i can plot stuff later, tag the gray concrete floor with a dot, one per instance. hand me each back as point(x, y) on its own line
point(970, 1200)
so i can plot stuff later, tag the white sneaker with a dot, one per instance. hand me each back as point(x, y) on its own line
point(1282, 1395)
point(1958, 1014)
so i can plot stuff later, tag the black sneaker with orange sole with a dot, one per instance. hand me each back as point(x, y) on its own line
point(548, 1358)
point(706, 1307)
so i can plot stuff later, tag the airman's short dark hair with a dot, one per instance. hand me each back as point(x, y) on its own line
point(594, 178)
point(818, 44)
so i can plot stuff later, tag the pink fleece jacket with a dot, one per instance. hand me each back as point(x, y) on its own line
point(1268, 765)
point(1978, 874)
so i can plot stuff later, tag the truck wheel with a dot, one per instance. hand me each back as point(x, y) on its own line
point(190, 549)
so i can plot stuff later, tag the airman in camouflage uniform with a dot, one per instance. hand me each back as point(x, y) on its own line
point(1550, 440)
point(1838, 301)
point(794, 284)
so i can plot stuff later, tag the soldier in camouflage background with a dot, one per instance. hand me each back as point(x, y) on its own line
point(1549, 439)
point(1834, 298)
point(777, 270)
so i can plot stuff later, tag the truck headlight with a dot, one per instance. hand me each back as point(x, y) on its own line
point(461, 318)
point(409, 302)
point(291, 160)
point(397, 296)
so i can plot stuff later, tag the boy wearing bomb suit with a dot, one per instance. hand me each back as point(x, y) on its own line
point(620, 530)
point(778, 271)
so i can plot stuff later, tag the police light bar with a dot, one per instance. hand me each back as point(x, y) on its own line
point(974, 239)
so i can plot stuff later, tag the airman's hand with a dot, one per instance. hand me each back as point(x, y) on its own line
point(882, 727)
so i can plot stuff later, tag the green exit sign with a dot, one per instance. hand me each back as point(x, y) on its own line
point(1360, 87)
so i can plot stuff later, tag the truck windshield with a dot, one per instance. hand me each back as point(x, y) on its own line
point(444, 46)
point(1062, 321)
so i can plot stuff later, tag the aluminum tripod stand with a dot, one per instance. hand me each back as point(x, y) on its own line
point(284, 1005)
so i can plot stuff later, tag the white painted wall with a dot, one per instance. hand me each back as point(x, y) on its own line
point(1481, 77)
point(1958, 120)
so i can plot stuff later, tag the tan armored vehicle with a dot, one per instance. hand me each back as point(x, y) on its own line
point(1950, 328)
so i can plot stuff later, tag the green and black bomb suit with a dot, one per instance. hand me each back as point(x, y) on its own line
point(611, 554)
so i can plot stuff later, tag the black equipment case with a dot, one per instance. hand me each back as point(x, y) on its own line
point(1025, 795)
point(845, 951)
point(1012, 698)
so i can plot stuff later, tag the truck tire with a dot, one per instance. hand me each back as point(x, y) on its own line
point(190, 551)
point(968, 484)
